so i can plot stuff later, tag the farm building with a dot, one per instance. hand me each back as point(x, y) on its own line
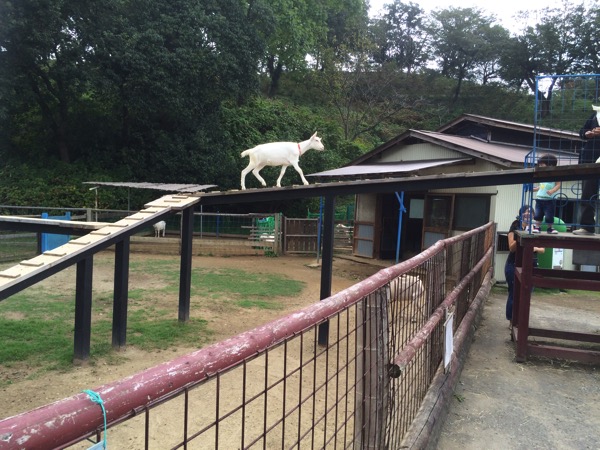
point(470, 143)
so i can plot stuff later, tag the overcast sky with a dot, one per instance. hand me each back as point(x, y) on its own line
point(504, 10)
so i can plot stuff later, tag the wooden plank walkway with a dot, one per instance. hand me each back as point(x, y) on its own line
point(100, 234)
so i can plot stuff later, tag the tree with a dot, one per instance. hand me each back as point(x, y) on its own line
point(400, 37)
point(291, 32)
point(347, 22)
point(362, 96)
point(171, 64)
point(586, 52)
point(128, 83)
point(551, 47)
point(464, 42)
point(45, 61)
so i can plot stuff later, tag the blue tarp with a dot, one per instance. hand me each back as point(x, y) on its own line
point(51, 241)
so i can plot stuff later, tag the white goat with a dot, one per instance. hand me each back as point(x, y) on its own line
point(160, 227)
point(409, 289)
point(282, 154)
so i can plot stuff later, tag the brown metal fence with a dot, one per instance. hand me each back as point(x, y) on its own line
point(276, 386)
point(300, 235)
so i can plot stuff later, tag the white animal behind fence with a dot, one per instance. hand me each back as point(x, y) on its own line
point(282, 154)
point(409, 289)
point(160, 227)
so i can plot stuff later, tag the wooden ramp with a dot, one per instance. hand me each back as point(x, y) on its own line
point(103, 235)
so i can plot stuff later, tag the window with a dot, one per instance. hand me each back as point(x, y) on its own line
point(471, 211)
point(415, 210)
point(437, 212)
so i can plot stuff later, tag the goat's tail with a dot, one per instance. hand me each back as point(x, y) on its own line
point(246, 152)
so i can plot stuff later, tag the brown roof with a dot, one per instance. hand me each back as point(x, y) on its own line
point(510, 125)
point(499, 153)
point(494, 151)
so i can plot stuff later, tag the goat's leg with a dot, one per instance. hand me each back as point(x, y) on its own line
point(244, 173)
point(299, 170)
point(256, 173)
point(283, 169)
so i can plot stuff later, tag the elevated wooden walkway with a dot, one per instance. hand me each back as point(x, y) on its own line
point(100, 236)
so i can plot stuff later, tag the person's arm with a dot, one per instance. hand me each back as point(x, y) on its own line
point(588, 130)
point(512, 243)
point(555, 188)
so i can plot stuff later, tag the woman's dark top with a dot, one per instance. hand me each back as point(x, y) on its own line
point(591, 148)
point(515, 226)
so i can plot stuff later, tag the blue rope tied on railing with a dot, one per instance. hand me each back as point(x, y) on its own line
point(95, 397)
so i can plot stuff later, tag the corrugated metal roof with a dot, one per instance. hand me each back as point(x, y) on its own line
point(167, 187)
point(383, 168)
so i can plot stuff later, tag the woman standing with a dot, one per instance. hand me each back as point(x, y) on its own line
point(522, 222)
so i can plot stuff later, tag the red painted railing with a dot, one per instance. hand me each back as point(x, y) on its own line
point(275, 386)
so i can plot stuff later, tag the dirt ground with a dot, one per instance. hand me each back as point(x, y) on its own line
point(500, 404)
point(28, 391)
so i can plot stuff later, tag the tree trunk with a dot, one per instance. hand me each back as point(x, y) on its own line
point(275, 70)
point(58, 126)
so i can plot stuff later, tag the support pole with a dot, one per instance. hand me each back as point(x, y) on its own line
point(83, 308)
point(400, 212)
point(327, 266)
point(319, 228)
point(185, 274)
point(121, 294)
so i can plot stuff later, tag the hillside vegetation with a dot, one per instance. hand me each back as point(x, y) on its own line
point(174, 90)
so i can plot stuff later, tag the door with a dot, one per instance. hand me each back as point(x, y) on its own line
point(437, 219)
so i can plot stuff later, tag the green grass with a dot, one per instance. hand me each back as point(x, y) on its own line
point(36, 327)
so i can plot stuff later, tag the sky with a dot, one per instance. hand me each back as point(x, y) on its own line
point(504, 10)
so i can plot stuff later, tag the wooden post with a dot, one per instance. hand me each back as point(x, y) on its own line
point(83, 308)
point(371, 402)
point(327, 264)
point(185, 271)
point(121, 293)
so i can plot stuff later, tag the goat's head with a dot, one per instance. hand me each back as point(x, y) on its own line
point(315, 142)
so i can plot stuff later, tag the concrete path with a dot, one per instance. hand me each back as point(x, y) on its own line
point(501, 404)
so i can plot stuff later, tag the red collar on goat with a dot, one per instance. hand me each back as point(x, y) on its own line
point(299, 149)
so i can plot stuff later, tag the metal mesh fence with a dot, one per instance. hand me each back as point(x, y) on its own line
point(349, 371)
point(563, 112)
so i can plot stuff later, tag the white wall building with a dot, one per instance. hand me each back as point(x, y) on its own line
point(467, 144)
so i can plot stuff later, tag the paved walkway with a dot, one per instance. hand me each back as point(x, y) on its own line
point(501, 404)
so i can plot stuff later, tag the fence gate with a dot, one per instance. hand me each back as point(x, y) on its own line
point(300, 236)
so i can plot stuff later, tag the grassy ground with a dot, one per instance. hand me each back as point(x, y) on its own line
point(37, 325)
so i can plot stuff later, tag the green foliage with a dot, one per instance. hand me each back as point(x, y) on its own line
point(55, 184)
point(171, 90)
point(268, 120)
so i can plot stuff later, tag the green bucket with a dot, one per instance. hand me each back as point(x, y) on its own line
point(545, 259)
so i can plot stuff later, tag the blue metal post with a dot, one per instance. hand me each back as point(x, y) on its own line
point(401, 210)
